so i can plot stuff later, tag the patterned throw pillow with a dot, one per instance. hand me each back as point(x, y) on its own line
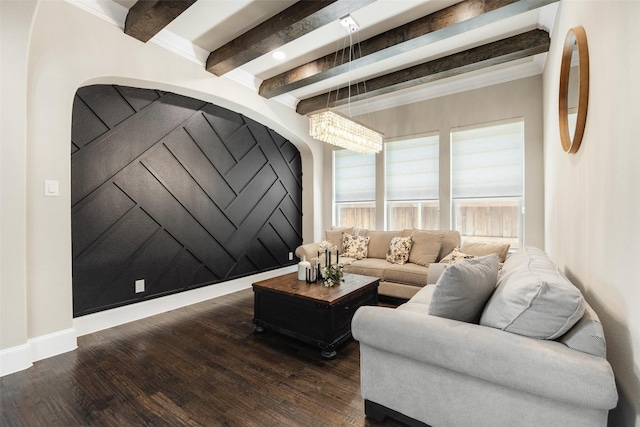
point(355, 246)
point(399, 249)
point(455, 256)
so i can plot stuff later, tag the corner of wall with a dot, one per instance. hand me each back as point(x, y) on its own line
point(21, 357)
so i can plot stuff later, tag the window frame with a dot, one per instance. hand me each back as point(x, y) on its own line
point(336, 206)
point(419, 202)
point(520, 199)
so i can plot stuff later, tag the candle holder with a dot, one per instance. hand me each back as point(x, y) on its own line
point(313, 274)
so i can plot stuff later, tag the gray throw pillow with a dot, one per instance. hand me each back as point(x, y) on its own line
point(464, 288)
point(533, 298)
point(587, 335)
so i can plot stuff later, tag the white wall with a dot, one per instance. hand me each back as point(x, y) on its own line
point(592, 198)
point(70, 48)
point(518, 98)
point(15, 22)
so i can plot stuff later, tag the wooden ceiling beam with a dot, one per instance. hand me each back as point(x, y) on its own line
point(445, 23)
point(297, 20)
point(506, 50)
point(146, 18)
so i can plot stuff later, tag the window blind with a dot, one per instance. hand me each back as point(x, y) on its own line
point(412, 169)
point(354, 176)
point(488, 161)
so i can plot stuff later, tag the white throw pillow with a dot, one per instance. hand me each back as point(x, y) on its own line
point(456, 255)
point(355, 246)
point(464, 288)
point(399, 249)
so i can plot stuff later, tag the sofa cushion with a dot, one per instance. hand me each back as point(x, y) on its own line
point(399, 249)
point(425, 248)
point(334, 236)
point(464, 287)
point(479, 249)
point(369, 267)
point(533, 298)
point(379, 243)
point(411, 274)
point(587, 335)
point(355, 246)
point(343, 260)
point(450, 239)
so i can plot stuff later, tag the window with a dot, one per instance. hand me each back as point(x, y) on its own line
point(487, 183)
point(412, 172)
point(354, 180)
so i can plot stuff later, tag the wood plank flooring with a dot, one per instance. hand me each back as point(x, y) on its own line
point(201, 365)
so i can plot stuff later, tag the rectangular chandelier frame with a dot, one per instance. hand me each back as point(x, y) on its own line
point(342, 131)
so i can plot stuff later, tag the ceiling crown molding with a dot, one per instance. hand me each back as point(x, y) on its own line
point(547, 17)
point(110, 11)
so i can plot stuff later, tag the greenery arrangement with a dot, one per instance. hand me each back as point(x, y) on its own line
point(332, 275)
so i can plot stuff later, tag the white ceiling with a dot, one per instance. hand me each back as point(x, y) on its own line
point(209, 24)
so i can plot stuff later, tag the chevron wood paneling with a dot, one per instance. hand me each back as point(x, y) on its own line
point(177, 191)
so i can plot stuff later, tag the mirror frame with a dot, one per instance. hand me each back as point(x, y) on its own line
point(570, 145)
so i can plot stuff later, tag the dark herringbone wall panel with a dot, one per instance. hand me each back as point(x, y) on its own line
point(176, 191)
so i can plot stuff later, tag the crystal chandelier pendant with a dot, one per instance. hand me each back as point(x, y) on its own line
point(340, 130)
point(336, 129)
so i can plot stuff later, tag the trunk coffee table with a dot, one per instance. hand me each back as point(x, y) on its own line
point(312, 312)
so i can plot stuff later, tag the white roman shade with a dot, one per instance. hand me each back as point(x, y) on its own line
point(412, 171)
point(354, 176)
point(488, 161)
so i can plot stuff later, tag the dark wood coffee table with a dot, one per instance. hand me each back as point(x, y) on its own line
point(313, 313)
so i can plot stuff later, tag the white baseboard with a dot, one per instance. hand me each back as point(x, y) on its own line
point(15, 359)
point(53, 344)
point(117, 316)
point(21, 357)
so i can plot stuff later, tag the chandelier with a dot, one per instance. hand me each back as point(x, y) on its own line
point(341, 130)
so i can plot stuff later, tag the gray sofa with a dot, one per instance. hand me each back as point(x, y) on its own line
point(396, 280)
point(535, 357)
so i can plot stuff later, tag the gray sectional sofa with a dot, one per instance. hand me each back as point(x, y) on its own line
point(519, 349)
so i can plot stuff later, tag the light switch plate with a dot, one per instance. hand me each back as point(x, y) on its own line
point(51, 188)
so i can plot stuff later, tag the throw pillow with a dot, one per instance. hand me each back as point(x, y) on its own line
point(379, 243)
point(464, 287)
point(450, 239)
point(399, 249)
point(334, 236)
point(455, 256)
point(533, 298)
point(587, 335)
point(425, 248)
point(479, 249)
point(355, 246)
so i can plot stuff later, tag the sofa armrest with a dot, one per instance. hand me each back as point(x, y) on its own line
point(435, 270)
point(309, 251)
point(545, 368)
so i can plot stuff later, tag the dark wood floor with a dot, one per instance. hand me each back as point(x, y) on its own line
point(201, 365)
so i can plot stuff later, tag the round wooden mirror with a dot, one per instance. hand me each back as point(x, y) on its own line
point(574, 89)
